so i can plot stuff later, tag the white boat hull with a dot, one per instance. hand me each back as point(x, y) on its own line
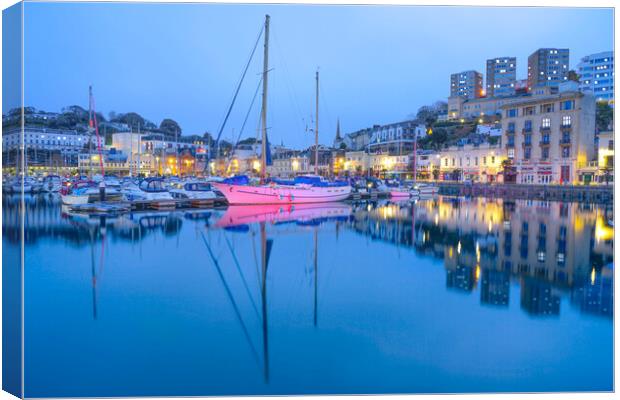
point(72, 199)
point(193, 195)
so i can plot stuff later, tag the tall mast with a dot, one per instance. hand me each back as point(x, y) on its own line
point(139, 165)
point(93, 122)
point(316, 128)
point(415, 156)
point(90, 129)
point(264, 109)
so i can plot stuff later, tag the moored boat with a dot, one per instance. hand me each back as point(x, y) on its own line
point(196, 192)
point(426, 189)
point(78, 192)
point(303, 189)
point(149, 189)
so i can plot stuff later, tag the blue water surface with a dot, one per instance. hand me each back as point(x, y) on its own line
point(445, 295)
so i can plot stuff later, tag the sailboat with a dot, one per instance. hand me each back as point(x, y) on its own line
point(83, 191)
point(303, 189)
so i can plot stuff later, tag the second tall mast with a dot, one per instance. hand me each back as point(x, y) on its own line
point(263, 170)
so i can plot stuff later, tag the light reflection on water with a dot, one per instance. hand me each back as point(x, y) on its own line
point(449, 295)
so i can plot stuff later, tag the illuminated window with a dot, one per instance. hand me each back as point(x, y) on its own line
point(546, 122)
point(566, 120)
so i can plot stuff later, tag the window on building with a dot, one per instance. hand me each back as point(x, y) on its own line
point(565, 137)
point(484, 160)
point(511, 127)
point(476, 161)
point(528, 139)
point(511, 113)
point(546, 123)
point(511, 153)
point(567, 105)
point(610, 145)
point(546, 108)
point(528, 126)
point(566, 120)
point(545, 138)
point(544, 154)
point(527, 153)
point(529, 110)
point(565, 152)
point(493, 158)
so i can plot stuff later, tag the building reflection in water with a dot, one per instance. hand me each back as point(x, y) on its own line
point(550, 250)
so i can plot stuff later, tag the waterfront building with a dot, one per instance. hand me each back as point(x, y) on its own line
point(596, 73)
point(501, 76)
point(476, 163)
point(384, 165)
point(459, 107)
point(601, 170)
point(605, 157)
point(114, 162)
point(427, 164)
point(547, 138)
point(547, 67)
point(356, 162)
point(45, 148)
point(466, 84)
point(153, 153)
point(289, 164)
point(396, 138)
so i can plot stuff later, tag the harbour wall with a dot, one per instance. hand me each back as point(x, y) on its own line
point(591, 194)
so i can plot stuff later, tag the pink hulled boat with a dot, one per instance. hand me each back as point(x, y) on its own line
point(303, 189)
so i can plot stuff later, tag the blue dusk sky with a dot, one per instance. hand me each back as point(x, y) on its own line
point(378, 64)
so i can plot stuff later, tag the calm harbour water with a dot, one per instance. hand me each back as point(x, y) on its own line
point(447, 295)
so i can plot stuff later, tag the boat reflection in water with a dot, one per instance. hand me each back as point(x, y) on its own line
point(438, 295)
point(273, 213)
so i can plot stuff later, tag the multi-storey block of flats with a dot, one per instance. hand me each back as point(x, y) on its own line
point(549, 137)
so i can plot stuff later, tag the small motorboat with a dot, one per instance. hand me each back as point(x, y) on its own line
point(78, 192)
point(149, 189)
point(194, 191)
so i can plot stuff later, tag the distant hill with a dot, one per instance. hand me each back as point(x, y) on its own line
point(76, 118)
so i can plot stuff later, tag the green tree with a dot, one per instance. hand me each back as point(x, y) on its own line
point(134, 120)
point(170, 127)
point(573, 76)
point(604, 116)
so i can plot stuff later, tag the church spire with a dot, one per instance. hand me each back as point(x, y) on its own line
point(338, 130)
